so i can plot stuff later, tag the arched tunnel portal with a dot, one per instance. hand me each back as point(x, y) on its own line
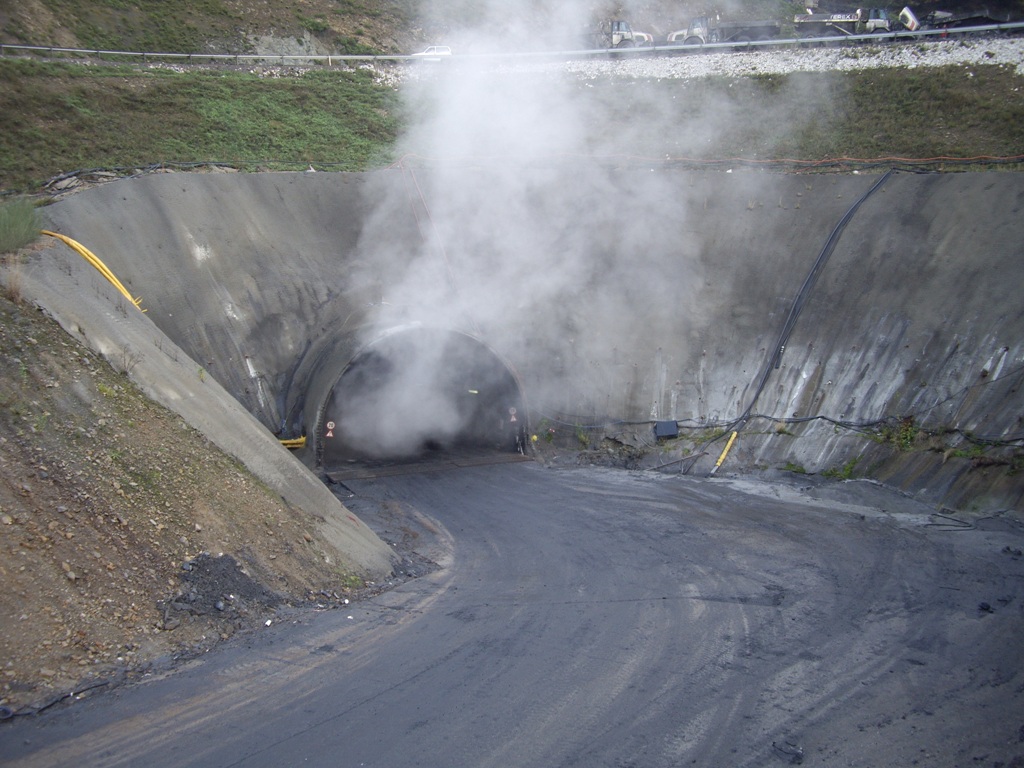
point(417, 391)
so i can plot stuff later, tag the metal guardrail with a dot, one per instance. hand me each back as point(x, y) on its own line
point(645, 50)
point(191, 58)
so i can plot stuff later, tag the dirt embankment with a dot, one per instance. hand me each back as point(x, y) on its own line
point(126, 537)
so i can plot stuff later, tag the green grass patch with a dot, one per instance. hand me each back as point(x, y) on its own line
point(902, 433)
point(950, 111)
point(844, 472)
point(970, 452)
point(582, 437)
point(146, 25)
point(19, 224)
point(209, 26)
point(314, 25)
point(352, 46)
point(707, 435)
point(56, 118)
point(61, 117)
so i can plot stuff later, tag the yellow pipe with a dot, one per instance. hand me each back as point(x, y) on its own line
point(725, 452)
point(99, 265)
point(89, 256)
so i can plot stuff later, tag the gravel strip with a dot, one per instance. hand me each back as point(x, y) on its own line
point(993, 51)
point(729, 64)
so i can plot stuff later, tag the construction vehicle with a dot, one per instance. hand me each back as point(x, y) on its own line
point(643, 38)
point(711, 29)
point(946, 20)
point(863, 21)
point(617, 34)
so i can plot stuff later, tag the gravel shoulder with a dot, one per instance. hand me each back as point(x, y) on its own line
point(998, 51)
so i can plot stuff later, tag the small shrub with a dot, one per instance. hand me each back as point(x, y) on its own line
point(129, 359)
point(842, 473)
point(313, 25)
point(974, 451)
point(582, 437)
point(347, 44)
point(902, 434)
point(797, 468)
point(12, 278)
point(19, 224)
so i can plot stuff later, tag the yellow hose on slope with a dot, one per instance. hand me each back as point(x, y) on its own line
point(99, 265)
point(89, 256)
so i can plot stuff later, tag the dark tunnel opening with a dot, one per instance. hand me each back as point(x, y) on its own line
point(420, 392)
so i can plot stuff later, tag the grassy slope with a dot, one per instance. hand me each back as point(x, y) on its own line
point(919, 114)
point(58, 118)
point(61, 118)
point(207, 26)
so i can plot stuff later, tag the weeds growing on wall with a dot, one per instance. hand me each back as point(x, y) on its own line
point(901, 433)
point(582, 437)
point(844, 472)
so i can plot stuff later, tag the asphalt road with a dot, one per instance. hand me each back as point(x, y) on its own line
point(595, 617)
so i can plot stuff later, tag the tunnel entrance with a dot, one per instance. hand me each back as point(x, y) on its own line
point(419, 393)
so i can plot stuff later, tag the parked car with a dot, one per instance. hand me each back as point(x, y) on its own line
point(434, 52)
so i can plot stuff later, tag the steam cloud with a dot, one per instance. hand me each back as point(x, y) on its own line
point(539, 218)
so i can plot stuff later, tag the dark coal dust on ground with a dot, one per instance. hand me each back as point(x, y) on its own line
point(601, 617)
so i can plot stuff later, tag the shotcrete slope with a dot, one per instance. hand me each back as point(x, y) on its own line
point(636, 297)
point(92, 310)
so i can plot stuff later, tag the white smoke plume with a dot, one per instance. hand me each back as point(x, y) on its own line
point(541, 201)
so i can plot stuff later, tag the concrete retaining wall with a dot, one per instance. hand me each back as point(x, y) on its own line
point(614, 297)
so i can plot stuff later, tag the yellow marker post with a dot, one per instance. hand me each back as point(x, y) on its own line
point(725, 452)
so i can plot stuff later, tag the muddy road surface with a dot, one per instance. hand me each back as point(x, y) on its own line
point(597, 617)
